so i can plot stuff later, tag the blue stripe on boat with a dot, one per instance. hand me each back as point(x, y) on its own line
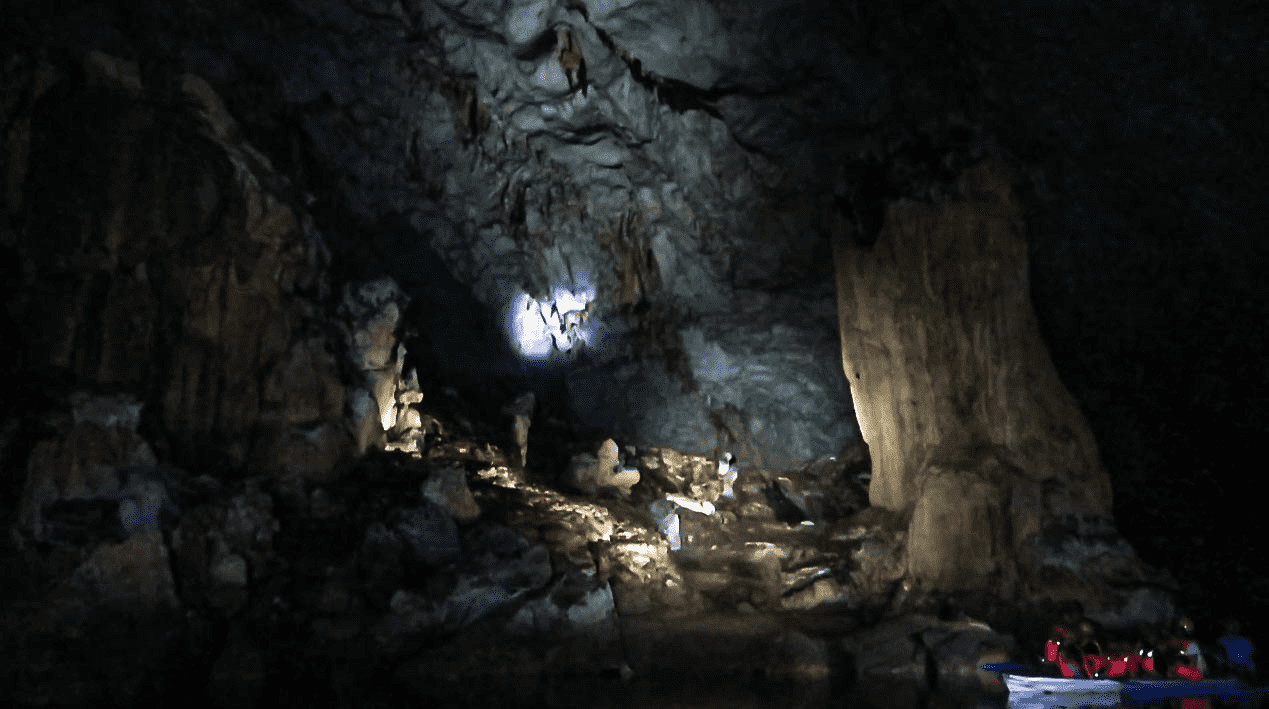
point(1098, 692)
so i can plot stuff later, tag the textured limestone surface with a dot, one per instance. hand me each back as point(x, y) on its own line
point(943, 351)
point(964, 415)
point(625, 208)
point(552, 129)
point(160, 257)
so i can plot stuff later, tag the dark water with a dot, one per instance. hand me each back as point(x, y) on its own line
point(737, 693)
point(754, 694)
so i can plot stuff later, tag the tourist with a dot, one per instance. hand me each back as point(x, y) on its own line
point(1060, 651)
point(1236, 652)
point(1150, 651)
point(1184, 658)
point(1095, 661)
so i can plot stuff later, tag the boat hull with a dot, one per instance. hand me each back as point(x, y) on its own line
point(1108, 692)
point(1061, 685)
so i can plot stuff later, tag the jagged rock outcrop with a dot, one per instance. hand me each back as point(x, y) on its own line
point(170, 304)
point(969, 428)
point(371, 315)
point(928, 651)
point(601, 472)
point(162, 255)
point(943, 353)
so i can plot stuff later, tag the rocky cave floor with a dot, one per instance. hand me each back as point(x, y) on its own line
point(447, 575)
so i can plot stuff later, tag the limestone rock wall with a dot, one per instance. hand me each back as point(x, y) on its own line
point(161, 255)
point(526, 148)
point(966, 420)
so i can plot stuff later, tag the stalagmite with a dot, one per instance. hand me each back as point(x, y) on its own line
point(969, 428)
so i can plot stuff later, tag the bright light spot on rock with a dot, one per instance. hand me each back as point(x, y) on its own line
point(529, 328)
point(566, 300)
point(545, 329)
point(642, 552)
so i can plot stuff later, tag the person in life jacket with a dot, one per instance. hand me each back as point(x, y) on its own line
point(1238, 652)
point(1185, 658)
point(1123, 660)
point(1131, 654)
point(1148, 648)
point(1060, 651)
point(1096, 662)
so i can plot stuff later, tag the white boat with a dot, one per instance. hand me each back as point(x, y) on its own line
point(1031, 692)
point(1061, 685)
point(1027, 692)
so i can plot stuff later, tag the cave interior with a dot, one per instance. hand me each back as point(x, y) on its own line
point(363, 350)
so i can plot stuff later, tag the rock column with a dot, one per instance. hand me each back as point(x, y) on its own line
point(969, 428)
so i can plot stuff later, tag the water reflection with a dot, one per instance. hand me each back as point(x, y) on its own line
point(758, 693)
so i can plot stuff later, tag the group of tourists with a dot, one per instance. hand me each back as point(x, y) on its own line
point(1076, 648)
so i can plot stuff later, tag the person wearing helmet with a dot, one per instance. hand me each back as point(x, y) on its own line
point(1185, 658)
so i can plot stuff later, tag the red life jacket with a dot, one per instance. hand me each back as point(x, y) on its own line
point(1147, 661)
point(1053, 653)
point(1117, 666)
point(1067, 669)
point(1191, 673)
point(1094, 664)
point(1051, 650)
point(1193, 651)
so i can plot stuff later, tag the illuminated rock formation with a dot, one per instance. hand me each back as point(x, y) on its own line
point(969, 428)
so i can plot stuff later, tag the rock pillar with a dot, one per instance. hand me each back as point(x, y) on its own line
point(969, 428)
